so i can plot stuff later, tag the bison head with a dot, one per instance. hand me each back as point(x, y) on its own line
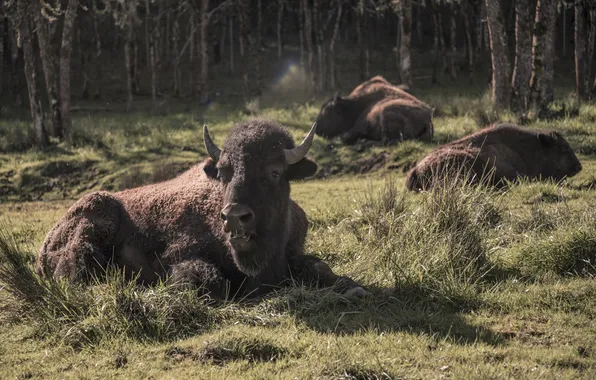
point(255, 166)
point(560, 159)
point(336, 117)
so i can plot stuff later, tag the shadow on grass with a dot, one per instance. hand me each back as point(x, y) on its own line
point(414, 311)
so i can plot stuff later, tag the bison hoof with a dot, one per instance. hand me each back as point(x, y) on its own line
point(357, 292)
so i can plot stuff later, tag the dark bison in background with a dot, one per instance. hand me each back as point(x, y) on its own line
point(226, 226)
point(495, 154)
point(376, 110)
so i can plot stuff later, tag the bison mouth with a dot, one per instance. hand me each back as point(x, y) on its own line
point(240, 239)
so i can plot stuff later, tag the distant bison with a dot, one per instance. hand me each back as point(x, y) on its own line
point(375, 110)
point(496, 154)
point(226, 226)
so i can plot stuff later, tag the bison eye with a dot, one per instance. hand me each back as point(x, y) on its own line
point(224, 174)
point(275, 174)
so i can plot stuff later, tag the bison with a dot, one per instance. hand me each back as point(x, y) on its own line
point(226, 226)
point(495, 155)
point(375, 110)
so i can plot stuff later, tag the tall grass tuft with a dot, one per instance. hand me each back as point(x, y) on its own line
point(45, 302)
point(568, 251)
point(115, 307)
point(432, 246)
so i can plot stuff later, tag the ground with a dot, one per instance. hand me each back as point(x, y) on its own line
point(465, 283)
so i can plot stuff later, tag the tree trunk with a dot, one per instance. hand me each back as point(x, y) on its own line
point(257, 49)
point(97, 77)
point(522, 66)
point(147, 32)
point(301, 32)
point(159, 33)
point(280, 15)
point(16, 62)
point(452, 42)
point(48, 61)
point(191, 54)
point(167, 35)
point(564, 31)
point(128, 63)
point(153, 71)
point(65, 56)
point(242, 12)
point(135, 64)
point(316, 15)
point(442, 43)
point(397, 46)
point(591, 41)
point(154, 39)
point(466, 9)
point(2, 37)
point(332, 66)
point(176, 53)
point(436, 41)
point(203, 84)
point(419, 36)
point(499, 53)
point(581, 81)
point(30, 73)
point(84, 59)
point(541, 83)
point(483, 45)
point(222, 43)
point(231, 22)
point(309, 45)
point(405, 48)
point(361, 47)
point(478, 29)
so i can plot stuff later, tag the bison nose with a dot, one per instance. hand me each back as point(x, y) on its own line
point(237, 217)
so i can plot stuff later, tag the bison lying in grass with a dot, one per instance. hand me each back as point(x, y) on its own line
point(226, 226)
point(375, 110)
point(495, 155)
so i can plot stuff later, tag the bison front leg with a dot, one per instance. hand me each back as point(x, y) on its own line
point(312, 271)
point(206, 278)
point(82, 242)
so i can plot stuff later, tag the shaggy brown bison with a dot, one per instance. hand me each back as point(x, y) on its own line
point(497, 154)
point(375, 110)
point(226, 226)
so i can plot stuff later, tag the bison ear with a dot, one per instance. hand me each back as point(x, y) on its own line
point(210, 169)
point(302, 169)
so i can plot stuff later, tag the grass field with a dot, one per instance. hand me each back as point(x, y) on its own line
point(465, 282)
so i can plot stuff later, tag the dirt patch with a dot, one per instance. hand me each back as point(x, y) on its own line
point(357, 373)
point(176, 353)
point(6, 184)
point(375, 162)
point(144, 174)
point(252, 350)
point(59, 177)
point(586, 185)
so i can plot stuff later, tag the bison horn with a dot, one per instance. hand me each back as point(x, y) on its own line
point(298, 153)
point(335, 97)
point(212, 149)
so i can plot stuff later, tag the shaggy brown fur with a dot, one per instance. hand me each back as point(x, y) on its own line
point(175, 228)
point(392, 120)
point(495, 155)
point(362, 115)
point(380, 87)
